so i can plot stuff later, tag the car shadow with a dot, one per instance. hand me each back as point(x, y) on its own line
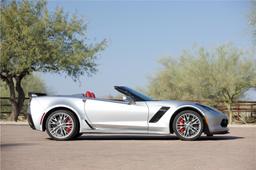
point(8, 145)
point(150, 137)
point(206, 138)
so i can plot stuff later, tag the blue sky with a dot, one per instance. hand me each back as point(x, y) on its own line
point(140, 33)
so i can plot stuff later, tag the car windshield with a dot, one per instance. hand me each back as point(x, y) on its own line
point(140, 95)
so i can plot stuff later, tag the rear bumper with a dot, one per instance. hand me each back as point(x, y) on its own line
point(30, 122)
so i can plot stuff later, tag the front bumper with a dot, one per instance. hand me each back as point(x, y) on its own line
point(224, 123)
point(217, 122)
point(218, 125)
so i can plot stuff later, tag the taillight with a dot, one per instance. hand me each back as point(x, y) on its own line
point(42, 118)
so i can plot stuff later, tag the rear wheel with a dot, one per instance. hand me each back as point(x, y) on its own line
point(188, 125)
point(62, 125)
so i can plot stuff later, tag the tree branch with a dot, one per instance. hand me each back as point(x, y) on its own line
point(3, 77)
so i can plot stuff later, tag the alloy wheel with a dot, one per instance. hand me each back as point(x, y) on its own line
point(188, 125)
point(60, 125)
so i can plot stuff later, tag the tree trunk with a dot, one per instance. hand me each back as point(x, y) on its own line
point(14, 83)
point(230, 113)
point(16, 103)
point(15, 113)
point(21, 95)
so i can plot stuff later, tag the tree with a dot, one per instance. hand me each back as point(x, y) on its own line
point(30, 83)
point(35, 40)
point(219, 75)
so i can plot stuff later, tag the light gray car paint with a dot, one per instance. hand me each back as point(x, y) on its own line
point(111, 116)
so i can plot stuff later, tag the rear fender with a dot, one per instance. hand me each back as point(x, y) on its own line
point(81, 119)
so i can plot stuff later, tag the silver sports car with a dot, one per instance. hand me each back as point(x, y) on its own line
point(68, 117)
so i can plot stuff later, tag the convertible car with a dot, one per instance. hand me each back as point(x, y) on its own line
point(68, 117)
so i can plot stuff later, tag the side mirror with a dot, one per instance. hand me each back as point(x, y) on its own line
point(128, 99)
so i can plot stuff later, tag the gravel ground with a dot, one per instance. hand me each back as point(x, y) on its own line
point(25, 149)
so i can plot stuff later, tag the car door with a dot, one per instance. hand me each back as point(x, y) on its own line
point(110, 115)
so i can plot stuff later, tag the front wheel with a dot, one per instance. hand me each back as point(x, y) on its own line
point(61, 125)
point(188, 125)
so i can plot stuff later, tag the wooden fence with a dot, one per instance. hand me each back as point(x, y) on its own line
point(241, 109)
point(6, 109)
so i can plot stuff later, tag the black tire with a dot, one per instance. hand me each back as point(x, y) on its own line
point(179, 132)
point(74, 128)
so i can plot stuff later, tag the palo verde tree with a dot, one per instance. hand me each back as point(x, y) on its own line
point(218, 75)
point(36, 40)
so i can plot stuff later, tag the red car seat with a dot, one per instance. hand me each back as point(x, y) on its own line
point(93, 95)
point(89, 94)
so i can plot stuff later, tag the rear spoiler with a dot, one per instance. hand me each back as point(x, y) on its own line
point(36, 94)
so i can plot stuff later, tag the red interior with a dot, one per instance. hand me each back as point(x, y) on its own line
point(93, 95)
point(90, 94)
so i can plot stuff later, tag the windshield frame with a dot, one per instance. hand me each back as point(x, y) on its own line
point(135, 95)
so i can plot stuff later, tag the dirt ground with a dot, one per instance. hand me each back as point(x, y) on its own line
point(25, 149)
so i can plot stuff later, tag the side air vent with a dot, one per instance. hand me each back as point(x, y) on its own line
point(159, 114)
point(89, 124)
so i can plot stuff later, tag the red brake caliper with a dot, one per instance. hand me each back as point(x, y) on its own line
point(181, 123)
point(68, 122)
